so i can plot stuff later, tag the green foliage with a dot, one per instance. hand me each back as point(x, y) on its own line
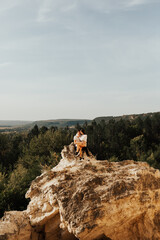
point(2, 181)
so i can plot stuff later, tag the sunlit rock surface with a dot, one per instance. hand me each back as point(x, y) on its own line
point(15, 226)
point(89, 199)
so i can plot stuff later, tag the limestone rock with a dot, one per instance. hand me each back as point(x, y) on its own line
point(89, 199)
point(15, 226)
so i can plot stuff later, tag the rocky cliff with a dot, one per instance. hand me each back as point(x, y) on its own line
point(89, 199)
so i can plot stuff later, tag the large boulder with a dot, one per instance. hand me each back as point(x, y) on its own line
point(89, 199)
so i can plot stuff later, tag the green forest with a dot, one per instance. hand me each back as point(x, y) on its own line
point(25, 155)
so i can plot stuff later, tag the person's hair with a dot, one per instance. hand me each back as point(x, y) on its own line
point(83, 131)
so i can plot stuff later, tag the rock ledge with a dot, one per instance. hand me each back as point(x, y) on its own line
point(88, 200)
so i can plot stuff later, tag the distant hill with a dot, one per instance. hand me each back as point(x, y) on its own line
point(11, 123)
point(125, 117)
point(59, 123)
point(18, 126)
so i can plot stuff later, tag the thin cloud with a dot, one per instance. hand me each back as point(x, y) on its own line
point(52, 10)
point(49, 10)
point(7, 4)
point(111, 5)
point(44, 11)
point(134, 3)
point(70, 7)
point(5, 64)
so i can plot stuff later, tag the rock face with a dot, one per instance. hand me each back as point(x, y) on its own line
point(15, 226)
point(88, 200)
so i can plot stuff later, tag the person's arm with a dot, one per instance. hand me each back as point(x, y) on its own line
point(76, 140)
point(84, 139)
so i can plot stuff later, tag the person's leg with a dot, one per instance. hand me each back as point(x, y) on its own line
point(86, 151)
point(79, 148)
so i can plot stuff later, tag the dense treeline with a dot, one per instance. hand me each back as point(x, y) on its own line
point(23, 156)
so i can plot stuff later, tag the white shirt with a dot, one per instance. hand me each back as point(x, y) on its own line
point(83, 138)
point(76, 139)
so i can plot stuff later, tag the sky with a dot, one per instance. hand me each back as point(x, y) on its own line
point(78, 58)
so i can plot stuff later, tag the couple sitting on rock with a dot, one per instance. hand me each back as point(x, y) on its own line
point(80, 141)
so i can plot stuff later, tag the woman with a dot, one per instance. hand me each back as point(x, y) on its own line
point(76, 139)
point(82, 143)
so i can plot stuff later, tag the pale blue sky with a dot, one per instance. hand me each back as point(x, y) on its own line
point(78, 58)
